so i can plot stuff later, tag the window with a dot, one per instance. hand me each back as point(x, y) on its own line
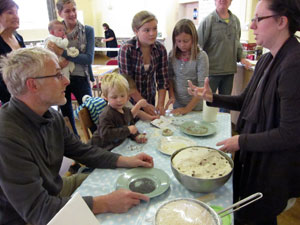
point(33, 14)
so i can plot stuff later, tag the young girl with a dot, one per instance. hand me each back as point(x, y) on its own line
point(186, 62)
point(145, 60)
point(116, 122)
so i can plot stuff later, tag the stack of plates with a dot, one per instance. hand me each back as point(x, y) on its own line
point(168, 145)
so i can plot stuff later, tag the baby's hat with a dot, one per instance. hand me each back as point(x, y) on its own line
point(85, 97)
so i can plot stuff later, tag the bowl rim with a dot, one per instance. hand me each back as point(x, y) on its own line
point(203, 179)
point(212, 212)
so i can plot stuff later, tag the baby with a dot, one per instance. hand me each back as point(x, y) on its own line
point(57, 35)
point(117, 122)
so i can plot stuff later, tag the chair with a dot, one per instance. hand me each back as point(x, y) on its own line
point(85, 122)
point(74, 101)
point(97, 89)
point(68, 123)
point(112, 62)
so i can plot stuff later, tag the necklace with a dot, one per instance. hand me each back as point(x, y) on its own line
point(185, 56)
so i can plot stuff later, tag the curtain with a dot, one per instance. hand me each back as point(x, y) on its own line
point(51, 10)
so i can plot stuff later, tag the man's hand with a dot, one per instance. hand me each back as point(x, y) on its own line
point(140, 160)
point(119, 201)
point(246, 63)
point(230, 145)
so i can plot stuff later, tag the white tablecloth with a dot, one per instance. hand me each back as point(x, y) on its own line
point(103, 181)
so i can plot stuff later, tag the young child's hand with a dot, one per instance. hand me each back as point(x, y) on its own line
point(154, 117)
point(63, 63)
point(150, 109)
point(171, 101)
point(54, 48)
point(142, 103)
point(180, 111)
point(160, 110)
point(141, 138)
point(132, 129)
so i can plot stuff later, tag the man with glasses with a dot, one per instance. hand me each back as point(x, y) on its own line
point(34, 139)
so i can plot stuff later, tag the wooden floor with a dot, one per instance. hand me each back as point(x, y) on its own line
point(100, 59)
point(291, 216)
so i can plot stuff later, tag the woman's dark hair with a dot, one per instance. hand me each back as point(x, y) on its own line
point(105, 25)
point(7, 5)
point(290, 9)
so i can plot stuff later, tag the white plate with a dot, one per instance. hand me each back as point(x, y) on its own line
point(162, 122)
point(168, 145)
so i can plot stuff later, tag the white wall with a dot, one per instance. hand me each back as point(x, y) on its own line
point(119, 13)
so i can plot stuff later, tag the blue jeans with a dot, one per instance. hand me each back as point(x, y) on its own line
point(223, 83)
point(79, 86)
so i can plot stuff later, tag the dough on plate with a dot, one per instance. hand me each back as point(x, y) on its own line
point(167, 132)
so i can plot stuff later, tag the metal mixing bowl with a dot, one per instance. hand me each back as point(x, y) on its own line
point(216, 220)
point(197, 184)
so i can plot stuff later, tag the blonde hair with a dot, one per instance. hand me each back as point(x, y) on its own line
point(60, 4)
point(53, 23)
point(188, 27)
point(114, 80)
point(141, 18)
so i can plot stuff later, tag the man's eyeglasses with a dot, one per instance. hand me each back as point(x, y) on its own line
point(260, 18)
point(59, 75)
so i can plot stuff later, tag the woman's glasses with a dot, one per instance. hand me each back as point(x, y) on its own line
point(260, 18)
